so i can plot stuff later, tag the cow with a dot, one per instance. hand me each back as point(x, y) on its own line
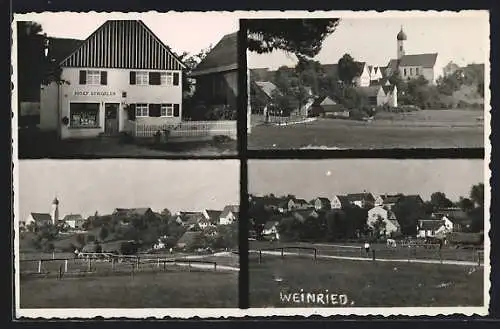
point(391, 243)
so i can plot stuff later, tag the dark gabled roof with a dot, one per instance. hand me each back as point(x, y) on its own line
point(131, 211)
point(424, 60)
point(60, 48)
point(324, 201)
point(370, 91)
point(389, 199)
point(189, 237)
point(72, 217)
point(269, 224)
point(214, 215)
point(429, 224)
point(39, 217)
point(392, 65)
point(191, 217)
point(300, 201)
point(222, 58)
point(344, 200)
point(414, 197)
point(360, 66)
point(235, 209)
point(360, 197)
point(388, 88)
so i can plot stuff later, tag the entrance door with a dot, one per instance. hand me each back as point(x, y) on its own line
point(111, 121)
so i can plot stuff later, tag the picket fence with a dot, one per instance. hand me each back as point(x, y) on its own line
point(185, 129)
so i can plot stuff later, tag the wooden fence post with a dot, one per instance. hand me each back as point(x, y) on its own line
point(315, 254)
point(260, 256)
point(40, 266)
point(215, 266)
point(282, 252)
point(189, 265)
point(158, 262)
point(478, 258)
point(65, 266)
point(113, 264)
point(164, 265)
point(90, 264)
point(373, 254)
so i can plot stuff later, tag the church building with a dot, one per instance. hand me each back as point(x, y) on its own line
point(415, 65)
point(44, 219)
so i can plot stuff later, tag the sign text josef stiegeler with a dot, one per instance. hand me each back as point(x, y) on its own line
point(94, 93)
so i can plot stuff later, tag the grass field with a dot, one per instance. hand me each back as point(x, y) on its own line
point(381, 251)
point(423, 129)
point(364, 284)
point(180, 289)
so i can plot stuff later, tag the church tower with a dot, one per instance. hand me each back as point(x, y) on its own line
point(54, 212)
point(401, 37)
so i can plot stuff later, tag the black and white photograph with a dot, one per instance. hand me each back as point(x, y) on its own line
point(97, 84)
point(410, 235)
point(368, 80)
point(126, 234)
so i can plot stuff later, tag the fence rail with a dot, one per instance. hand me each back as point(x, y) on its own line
point(185, 129)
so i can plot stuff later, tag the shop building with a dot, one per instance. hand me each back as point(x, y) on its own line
point(120, 76)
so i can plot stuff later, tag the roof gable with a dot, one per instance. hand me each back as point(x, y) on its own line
point(127, 44)
point(328, 101)
point(39, 217)
point(230, 209)
point(424, 60)
point(223, 57)
point(267, 87)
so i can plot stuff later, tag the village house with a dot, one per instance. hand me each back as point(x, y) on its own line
point(217, 74)
point(270, 230)
point(121, 76)
point(387, 201)
point(372, 95)
point(269, 203)
point(133, 212)
point(303, 214)
point(391, 225)
point(321, 204)
point(340, 202)
point(264, 91)
point(44, 219)
point(189, 219)
point(413, 66)
point(327, 107)
point(460, 220)
point(429, 228)
point(362, 200)
point(204, 222)
point(212, 215)
point(297, 204)
point(229, 215)
point(74, 221)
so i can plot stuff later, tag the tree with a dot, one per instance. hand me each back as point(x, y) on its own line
point(439, 201)
point(303, 37)
point(477, 194)
point(408, 212)
point(465, 204)
point(90, 238)
point(378, 227)
point(80, 239)
point(348, 69)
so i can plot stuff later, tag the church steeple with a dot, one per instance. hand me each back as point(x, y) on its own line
point(401, 38)
point(54, 213)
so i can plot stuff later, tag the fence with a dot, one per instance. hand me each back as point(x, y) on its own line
point(95, 263)
point(186, 129)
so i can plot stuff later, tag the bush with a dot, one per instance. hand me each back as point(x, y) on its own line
point(357, 115)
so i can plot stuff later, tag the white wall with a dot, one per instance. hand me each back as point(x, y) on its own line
point(118, 82)
point(48, 108)
point(374, 213)
point(429, 74)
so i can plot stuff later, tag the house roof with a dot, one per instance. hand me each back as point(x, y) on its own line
point(269, 224)
point(371, 91)
point(71, 217)
point(324, 201)
point(328, 101)
point(392, 65)
point(300, 201)
point(344, 200)
point(430, 224)
point(456, 215)
point(191, 217)
point(389, 199)
point(222, 58)
point(214, 215)
point(60, 48)
point(424, 60)
point(122, 52)
point(267, 87)
point(230, 208)
point(365, 196)
point(360, 66)
point(413, 197)
point(40, 217)
point(388, 88)
point(189, 237)
point(131, 211)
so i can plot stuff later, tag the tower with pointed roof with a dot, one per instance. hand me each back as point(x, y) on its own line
point(54, 212)
point(401, 38)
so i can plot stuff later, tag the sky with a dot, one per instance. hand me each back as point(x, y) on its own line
point(458, 38)
point(84, 186)
point(325, 178)
point(368, 36)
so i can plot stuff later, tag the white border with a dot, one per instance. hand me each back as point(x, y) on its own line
point(224, 313)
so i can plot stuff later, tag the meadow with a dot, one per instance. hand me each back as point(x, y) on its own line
point(454, 128)
point(363, 283)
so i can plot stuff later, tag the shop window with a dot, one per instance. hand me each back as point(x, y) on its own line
point(167, 110)
point(84, 115)
point(141, 110)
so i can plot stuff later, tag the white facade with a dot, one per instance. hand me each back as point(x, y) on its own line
point(228, 219)
point(387, 217)
point(57, 102)
point(364, 79)
point(335, 203)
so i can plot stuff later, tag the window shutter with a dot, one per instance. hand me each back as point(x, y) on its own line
point(154, 78)
point(132, 77)
point(154, 110)
point(104, 78)
point(131, 112)
point(176, 110)
point(176, 78)
point(83, 77)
